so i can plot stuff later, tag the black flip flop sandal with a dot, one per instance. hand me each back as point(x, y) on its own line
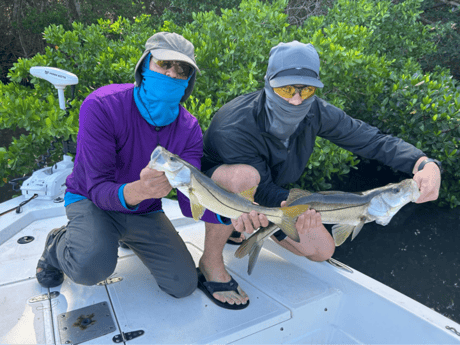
point(210, 287)
point(235, 234)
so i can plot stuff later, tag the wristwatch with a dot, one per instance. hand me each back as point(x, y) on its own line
point(429, 160)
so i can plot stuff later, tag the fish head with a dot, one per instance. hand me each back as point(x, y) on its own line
point(403, 192)
point(176, 170)
point(391, 199)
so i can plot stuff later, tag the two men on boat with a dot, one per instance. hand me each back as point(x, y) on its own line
point(262, 139)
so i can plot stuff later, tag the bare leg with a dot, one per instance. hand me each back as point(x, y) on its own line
point(235, 178)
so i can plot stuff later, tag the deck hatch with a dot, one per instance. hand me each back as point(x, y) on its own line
point(84, 324)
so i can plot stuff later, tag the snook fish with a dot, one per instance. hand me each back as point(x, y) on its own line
point(204, 194)
point(348, 211)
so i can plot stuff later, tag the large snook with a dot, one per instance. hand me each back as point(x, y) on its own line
point(204, 194)
point(348, 211)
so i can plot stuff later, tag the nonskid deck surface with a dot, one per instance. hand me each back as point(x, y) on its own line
point(293, 300)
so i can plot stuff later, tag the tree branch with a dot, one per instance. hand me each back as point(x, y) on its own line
point(450, 3)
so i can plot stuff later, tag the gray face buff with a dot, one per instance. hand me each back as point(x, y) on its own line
point(283, 118)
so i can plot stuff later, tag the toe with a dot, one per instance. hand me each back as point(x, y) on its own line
point(220, 297)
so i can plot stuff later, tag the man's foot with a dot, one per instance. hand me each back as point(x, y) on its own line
point(208, 287)
point(236, 238)
point(211, 274)
point(47, 275)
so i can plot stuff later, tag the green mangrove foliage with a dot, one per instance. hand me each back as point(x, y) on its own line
point(361, 74)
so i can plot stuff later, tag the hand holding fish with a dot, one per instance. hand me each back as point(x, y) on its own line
point(152, 184)
point(307, 220)
point(249, 222)
point(429, 181)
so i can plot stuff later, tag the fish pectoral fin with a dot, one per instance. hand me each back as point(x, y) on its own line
point(289, 219)
point(197, 208)
point(340, 232)
point(357, 229)
point(296, 193)
point(249, 194)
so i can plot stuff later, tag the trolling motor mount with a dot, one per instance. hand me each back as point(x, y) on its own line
point(49, 183)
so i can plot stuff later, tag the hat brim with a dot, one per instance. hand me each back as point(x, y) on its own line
point(171, 55)
point(295, 80)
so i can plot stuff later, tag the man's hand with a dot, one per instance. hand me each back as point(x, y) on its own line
point(310, 219)
point(429, 181)
point(249, 222)
point(152, 184)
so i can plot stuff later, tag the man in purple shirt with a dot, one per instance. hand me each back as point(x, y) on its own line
point(111, 194)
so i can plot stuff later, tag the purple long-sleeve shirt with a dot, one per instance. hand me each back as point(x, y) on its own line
point(115, 144)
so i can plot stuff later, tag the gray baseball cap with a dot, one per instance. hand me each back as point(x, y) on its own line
point(293, 63)
point(169, 46)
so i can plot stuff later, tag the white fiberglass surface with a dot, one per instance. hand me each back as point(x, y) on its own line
point(141, 305)
point(18, 261)
point(22, 322)
point(293, 300)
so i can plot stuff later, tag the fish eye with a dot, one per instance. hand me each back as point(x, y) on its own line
point(173, 159)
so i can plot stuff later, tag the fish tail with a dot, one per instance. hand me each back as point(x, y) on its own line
point(253, 255)
point(246, 247)
point(289, 219)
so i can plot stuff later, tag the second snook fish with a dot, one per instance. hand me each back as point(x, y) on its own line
point(348, 211)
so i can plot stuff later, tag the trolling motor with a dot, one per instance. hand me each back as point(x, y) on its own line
point(49, 183)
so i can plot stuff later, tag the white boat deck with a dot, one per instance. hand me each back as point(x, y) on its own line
point(293, 300)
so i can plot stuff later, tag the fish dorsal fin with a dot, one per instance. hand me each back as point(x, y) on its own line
point(197, 208)
point(296, 193)
point(248, 194)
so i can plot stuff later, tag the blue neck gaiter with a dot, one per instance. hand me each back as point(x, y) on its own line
point(158, 96)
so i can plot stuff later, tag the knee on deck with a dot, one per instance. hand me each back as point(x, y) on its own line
point(92, 269)
point(181, 286)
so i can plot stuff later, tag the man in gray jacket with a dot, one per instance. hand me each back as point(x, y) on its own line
point(266, 138)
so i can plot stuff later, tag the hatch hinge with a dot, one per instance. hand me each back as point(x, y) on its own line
point(127, 336)
point(453, 330)
point(109, 281)
point(44, 297)
point(339, 264)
